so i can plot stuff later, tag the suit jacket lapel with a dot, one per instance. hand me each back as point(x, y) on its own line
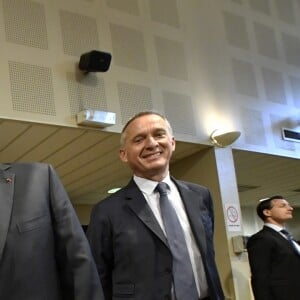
point(280, 238)
point(6, 196)
point(193, 213)
point(139, 206)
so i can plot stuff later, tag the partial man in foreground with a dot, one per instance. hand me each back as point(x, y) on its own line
point(153, 239)
point(44, 254)
point(274, 256)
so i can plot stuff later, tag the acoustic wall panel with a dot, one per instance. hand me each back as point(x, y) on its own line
point(166, 14)
point(79, 33)
point(295, 88)
point(245, 79)
point(179, 111)
point(236, 30)
point(171, 58)
point(261, 6)
point(265, 38)
point(126, 6)
point(253, 127)
point(133, 99)
point(128, 47)
point(274, 86)
point(25, 23)
point(31, 88)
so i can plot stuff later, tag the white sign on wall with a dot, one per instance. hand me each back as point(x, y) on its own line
point(233, 217)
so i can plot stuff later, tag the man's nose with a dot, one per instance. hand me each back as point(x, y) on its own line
point(151, 141)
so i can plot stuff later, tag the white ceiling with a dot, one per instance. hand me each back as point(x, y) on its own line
point(88, 164)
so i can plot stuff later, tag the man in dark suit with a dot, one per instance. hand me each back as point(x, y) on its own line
point(44, 254)
point(127, 234)
point(273, 256)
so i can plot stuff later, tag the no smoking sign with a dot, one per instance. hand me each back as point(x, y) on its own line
point(233, 217)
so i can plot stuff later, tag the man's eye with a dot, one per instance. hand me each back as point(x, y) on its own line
point(160, 134)
point(138, 139)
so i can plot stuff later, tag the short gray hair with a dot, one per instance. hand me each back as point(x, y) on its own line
point(141, 114)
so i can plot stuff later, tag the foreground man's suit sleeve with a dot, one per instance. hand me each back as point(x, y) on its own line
point(44, 254)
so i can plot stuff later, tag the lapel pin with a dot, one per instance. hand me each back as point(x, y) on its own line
point(8, 180)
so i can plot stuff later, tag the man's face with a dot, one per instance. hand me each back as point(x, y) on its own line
point(280, 211)
point(148, 147)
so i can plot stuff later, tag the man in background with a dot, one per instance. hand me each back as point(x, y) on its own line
point(274, 256)
point(138, 254)
point(44, 254)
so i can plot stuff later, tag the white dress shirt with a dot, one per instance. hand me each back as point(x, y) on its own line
point(147, 187)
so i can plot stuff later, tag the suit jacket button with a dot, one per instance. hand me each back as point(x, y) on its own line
point(168, 270)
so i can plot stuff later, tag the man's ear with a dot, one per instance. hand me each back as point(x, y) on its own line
point(267, 212)
point(173, 143)
point(122, 155)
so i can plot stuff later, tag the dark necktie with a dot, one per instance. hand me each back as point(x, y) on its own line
point(290, 239)
point(184, 281)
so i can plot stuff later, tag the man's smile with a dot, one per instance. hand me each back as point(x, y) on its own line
point(152, 155)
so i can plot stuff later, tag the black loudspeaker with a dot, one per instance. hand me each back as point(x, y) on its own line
point(95, 61)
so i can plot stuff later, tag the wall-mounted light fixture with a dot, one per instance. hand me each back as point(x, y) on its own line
point(223, 138)
point(96, 118)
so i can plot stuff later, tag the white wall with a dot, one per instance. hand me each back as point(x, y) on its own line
point(205, 64)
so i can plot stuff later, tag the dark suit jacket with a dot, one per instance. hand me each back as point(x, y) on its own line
point(275, 266)
point(44, 254)
point(131, 251)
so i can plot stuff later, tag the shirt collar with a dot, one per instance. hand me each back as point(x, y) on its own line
point(147, 186)
point(273, 226)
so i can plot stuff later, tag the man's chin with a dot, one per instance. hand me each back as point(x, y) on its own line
point(156, 165)
point(154, 162)
point(155, 168)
